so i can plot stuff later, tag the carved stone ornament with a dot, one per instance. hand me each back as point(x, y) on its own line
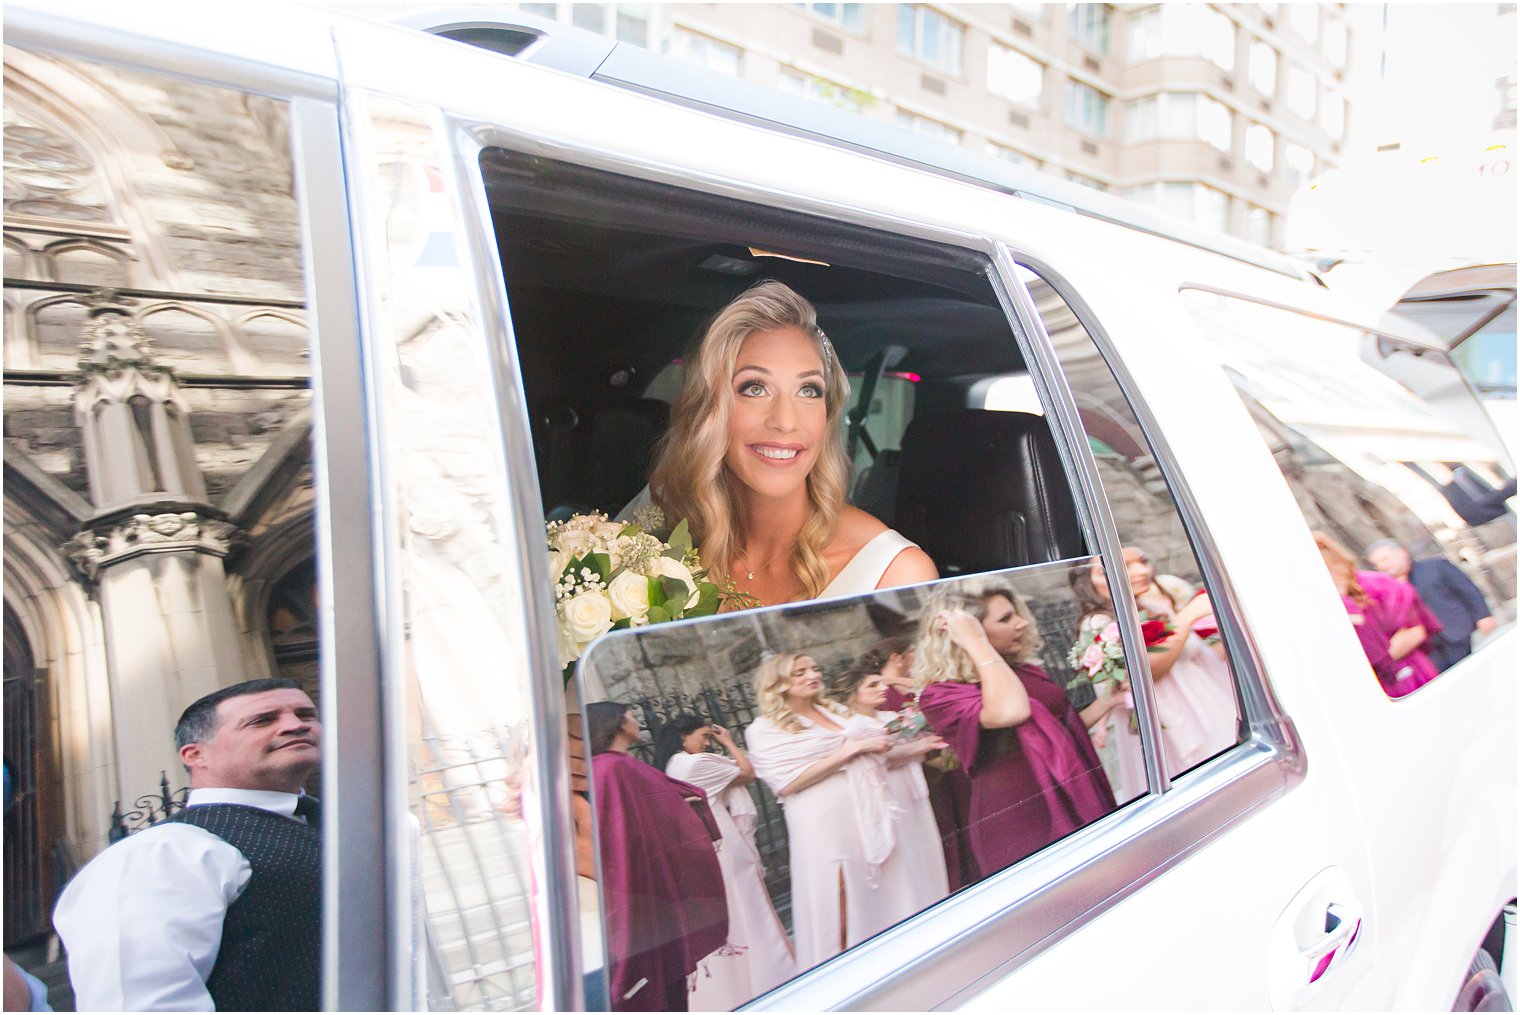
point(116, 357)
point(105, 544)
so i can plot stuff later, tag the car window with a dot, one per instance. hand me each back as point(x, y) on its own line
point(159, 481)
point(1191, 673)
point(819, 850)
point(1381, 443)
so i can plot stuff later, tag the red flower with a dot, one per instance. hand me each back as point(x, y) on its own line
point(1155, 632)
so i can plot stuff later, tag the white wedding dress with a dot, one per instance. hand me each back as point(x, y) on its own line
point(863, 573)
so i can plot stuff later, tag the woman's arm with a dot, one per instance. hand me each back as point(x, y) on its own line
point(1406, 639)
point(1105, 703)
point(822, 769)
point(1005, 702)
point(746, 770)
point(909, 567)
point(914, 750)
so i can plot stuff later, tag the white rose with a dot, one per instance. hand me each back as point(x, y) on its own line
point(675, 569)
point(607, 531)
point(569, 651)
point(575, 542)
point(587, 616)
point(558, 558)
point(629, 595)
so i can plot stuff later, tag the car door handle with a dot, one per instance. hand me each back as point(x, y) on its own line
point(1343, 925)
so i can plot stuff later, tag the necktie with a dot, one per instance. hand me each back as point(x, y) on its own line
point(310, 808)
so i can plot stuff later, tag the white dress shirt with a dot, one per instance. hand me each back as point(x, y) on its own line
point(142, 922)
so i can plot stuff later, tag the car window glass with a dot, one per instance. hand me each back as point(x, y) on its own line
point(1196, 702)
point(159, 515)
point(1380, 441)
point(819, 852)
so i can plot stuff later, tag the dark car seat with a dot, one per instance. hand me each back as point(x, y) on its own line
point(620, 448)
point(982, 491)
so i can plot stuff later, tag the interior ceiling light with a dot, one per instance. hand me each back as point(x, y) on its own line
point(757, 252)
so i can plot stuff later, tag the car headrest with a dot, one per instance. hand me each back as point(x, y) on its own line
point(982, 491)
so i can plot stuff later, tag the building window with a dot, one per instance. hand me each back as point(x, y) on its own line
point(1300, 163)
point(809, 86)
point(1303, 18)
point(704, 51)
point(1337, 42)
point(1015, 76)
point(1083, 180)
point(1259, 147)
point(1302, 99)
point(1183, 30)
point(624, 22)
point(1178, 116)
point(927, 127)
point(851, 16)
point(929, 36)
point(1192, 201)
point(1256, 226)
point(1332, 116)
point(1089, 25)
point(1087, 108)
point(1032, 12)
point(1018, 158)
point(1263, 69)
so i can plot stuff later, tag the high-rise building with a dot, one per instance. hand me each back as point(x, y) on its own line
point(1213, 112)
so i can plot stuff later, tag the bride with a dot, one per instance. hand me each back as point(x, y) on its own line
point(755, 460)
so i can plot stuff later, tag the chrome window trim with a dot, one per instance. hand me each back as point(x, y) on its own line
point(979, 936)
point(1266, 719)
point(561, 987)
point(1049, 379)
point(354, 942)
point(106, 43)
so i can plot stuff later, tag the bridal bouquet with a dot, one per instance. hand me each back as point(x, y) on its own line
point(1100, 654)
point(609, 576)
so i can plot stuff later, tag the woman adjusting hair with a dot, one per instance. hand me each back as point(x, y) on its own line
point(755, 461)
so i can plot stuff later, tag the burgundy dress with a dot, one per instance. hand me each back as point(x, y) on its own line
point(1393, 605)
point(662, 888)
point(1030, 784)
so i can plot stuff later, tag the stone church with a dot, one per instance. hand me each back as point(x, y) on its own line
point(158, 522)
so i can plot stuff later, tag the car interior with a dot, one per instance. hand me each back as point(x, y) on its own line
point(609, 279)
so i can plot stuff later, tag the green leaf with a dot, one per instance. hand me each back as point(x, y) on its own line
point(680, 539)
point(658, 615)
point(676, 592)
point(631, 529)
point(623, 625)
point(601, 563)
point(707, 600)
point(656, 592)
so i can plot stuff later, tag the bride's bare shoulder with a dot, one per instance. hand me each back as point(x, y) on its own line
point(855, 529)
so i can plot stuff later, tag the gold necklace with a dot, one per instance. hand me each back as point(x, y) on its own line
point(749, 573)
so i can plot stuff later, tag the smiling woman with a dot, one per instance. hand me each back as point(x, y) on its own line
point(755, 459)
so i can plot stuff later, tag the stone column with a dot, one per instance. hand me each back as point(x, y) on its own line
point(153, 551)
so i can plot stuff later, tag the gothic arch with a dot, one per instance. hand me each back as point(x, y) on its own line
point(124, 259)
point(239, 358)
point(62, 628)
point(262, 571)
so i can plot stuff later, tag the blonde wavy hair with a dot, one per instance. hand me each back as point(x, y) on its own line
point(936, 657)
point(771, 679)
point(1341, 565)
point(689, 479)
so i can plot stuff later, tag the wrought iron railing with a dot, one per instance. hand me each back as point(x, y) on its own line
point(147, 810)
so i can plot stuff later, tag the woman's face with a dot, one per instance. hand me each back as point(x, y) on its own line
point(804, 682)
point(1004, 625)
point(696, 741)
point(630, 726)
point(871, 694)
point(897, 666)
point(1141, 574)
point(1099, 580)
point(778, 419)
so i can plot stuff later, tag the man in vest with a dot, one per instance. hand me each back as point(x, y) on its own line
point(218, 907)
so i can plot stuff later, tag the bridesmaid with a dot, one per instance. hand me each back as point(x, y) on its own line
point(662, 887)
point(1034, 774)
point(918, 841)
point(760, 956)
point(1391, 620)
point(825, 767)
point(1195, 697)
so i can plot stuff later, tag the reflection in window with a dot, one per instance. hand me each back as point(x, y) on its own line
point(1358, 424)
point(1015, 76)
point(704, 51)
point(1087, 108)
point(1089, 25)
point(1188, 670)
point(862, 750)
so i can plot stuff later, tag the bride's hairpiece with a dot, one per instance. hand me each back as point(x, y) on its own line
point(830, 360)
